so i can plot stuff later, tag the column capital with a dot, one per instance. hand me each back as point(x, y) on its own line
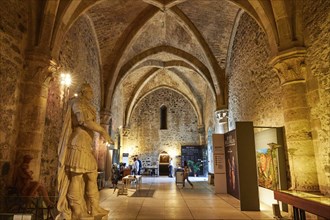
point(105, 117)
point(126, 131)
point(221, 115)
point(290, 65)
point(40, 68)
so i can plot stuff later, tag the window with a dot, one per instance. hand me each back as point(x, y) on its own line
point(163, 117)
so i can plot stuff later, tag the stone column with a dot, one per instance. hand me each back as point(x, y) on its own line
point(39, 70)
point(221, 121)
point(201, 132)
point(291, 69)
point(105, 157)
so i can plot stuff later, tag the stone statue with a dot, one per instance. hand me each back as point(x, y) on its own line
point(77, 177)
point(25, 184)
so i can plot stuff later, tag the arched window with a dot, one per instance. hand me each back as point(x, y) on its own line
point(163, 117)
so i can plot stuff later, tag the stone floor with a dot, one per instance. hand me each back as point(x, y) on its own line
point(162, 198)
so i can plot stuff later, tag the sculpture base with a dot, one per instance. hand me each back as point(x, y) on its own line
point(97, 217)
point(87, 218)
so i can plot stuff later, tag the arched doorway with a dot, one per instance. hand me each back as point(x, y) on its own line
point(164, 160)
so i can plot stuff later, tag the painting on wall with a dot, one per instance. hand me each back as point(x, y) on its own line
point(164, 158)
point(267, 169)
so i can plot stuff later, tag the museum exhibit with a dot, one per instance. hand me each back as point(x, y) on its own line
point(165, 109)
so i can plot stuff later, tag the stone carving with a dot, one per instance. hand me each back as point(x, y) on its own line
point(77, 177)
point(105, 117)
point(26, 186)
point(40, 69)
point(290, 66)
point(126, 131)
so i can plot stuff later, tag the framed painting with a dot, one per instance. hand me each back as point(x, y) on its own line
point(164, 158)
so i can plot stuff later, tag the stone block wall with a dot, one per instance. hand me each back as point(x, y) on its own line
point(316, 23)
point(145, 134)
point(79, 57)
point(254, 90)
point(13, 34)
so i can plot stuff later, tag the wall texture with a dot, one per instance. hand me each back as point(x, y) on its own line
point(254, 90)
point(316, 21)
point(147, 140)
point(13, 33)
point(79, 57)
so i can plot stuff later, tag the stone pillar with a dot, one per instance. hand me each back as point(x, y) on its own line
point(291, 69)
point(39, 70)
point(105, 157)
point(221, 121)
point(201, 132)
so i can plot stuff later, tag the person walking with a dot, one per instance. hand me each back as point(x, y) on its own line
point(186, 171)
point(115, 176)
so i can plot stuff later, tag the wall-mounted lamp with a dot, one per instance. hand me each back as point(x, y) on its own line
point(65, 82)
point(66, 79)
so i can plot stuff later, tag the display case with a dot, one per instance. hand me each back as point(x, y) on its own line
point(179, 176)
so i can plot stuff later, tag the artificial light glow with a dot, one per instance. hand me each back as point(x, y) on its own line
point(75, 95)
point(66, 79)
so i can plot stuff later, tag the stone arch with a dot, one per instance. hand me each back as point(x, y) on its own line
point(198, 66)
point(136, 100)
point(216, 73)
point(283, 31)
point(272, 16)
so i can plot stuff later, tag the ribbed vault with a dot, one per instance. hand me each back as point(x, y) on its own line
point(150, 36)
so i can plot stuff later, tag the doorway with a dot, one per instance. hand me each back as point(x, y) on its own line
point(164, 160)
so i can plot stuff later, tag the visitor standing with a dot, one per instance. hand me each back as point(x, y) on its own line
point(135, 167)
point(140, 166)
point(170, 168)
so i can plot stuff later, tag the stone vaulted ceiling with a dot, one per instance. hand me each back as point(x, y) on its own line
point(188, 38)
point(145, 45)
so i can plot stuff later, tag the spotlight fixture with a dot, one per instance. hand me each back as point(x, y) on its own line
point(66, 79)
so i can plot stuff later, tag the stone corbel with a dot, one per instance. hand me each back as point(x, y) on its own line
point(290, 65)
point(221, 116)
point(40, 69)
point(126, 131)
point(105, 117)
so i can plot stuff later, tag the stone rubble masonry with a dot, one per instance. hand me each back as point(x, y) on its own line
point(316, 21)
point(145, 131)
point(13, 34)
